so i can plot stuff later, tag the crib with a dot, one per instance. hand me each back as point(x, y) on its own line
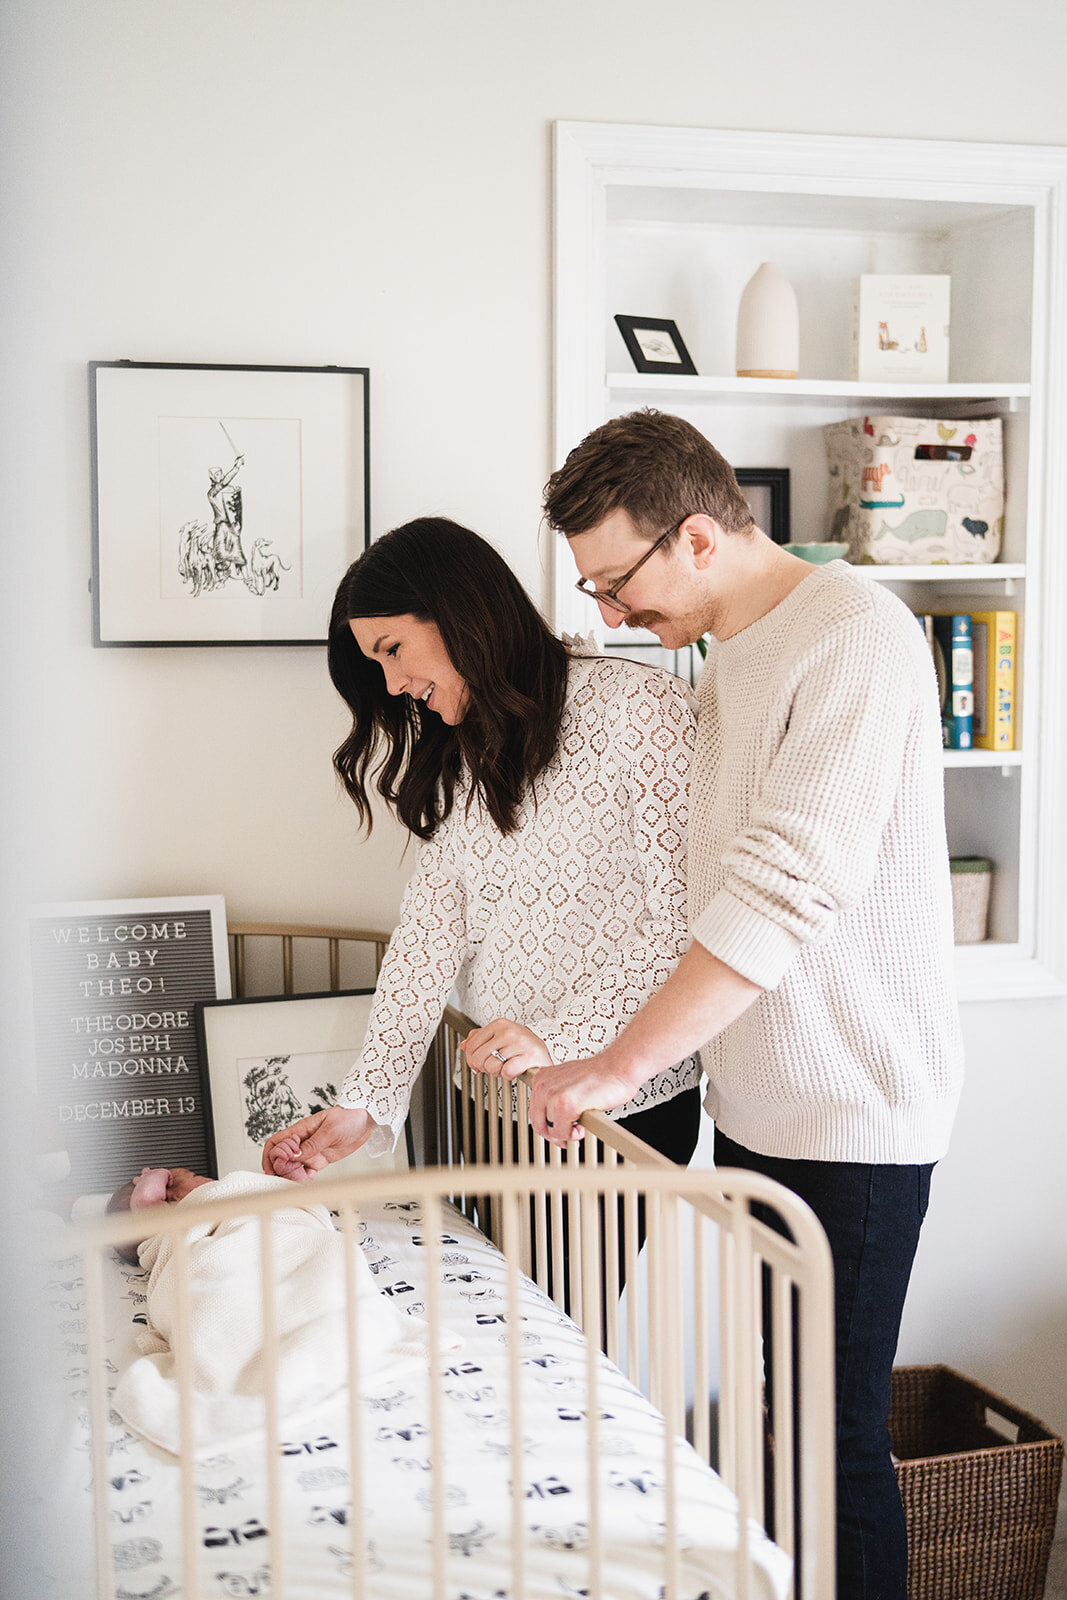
point(565, 1449)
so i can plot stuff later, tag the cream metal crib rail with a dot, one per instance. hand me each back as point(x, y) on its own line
point(290, 938)
point(716, 1210)
point(549, 1212)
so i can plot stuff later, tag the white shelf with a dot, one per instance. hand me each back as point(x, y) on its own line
point(983, 758)
point(675, 221)
point(682, 387)
point(989, 572)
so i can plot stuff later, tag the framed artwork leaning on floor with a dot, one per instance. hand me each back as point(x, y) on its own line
point(269, 1062)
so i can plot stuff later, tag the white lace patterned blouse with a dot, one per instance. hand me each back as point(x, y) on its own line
point(566, 925)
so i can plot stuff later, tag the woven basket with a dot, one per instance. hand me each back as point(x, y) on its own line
point(971, 877)
point(980, 1505)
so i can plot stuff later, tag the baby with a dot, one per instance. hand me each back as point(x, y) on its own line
point(154, 1186)
point(222, 1326)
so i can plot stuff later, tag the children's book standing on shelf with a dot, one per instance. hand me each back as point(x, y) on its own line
point(949, 637)
point(993, 636)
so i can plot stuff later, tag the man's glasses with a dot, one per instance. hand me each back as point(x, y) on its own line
point(610, 597)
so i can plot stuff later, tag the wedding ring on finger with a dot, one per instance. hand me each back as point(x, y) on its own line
point(500, 1058)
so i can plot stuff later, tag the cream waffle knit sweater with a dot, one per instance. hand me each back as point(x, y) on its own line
point(819, 870)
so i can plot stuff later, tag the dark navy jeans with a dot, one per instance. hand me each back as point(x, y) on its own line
point(872, 1215)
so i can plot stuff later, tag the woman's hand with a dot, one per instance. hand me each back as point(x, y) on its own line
point(505, 1049)
point(298, 1152)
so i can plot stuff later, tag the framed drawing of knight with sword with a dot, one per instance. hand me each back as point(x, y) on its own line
point(226, 499)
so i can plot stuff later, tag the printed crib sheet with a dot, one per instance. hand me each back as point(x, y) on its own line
point(233, 1522)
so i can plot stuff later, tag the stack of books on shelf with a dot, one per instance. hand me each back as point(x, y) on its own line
point(974, 655)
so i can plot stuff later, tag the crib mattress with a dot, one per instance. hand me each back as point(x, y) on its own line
point(233, 1523)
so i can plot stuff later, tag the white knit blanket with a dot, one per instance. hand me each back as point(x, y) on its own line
point(224, 1336)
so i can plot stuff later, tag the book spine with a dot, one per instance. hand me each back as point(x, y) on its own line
point(962, 682)
point(929, 623)
point(980, 650)
point(997, 732)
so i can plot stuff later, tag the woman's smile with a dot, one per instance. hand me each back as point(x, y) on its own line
point(415, 661)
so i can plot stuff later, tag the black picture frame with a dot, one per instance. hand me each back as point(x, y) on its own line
point(115, 984)
point(263, 1057)
point(642, 336)
point(227, 500)
point(770, 503)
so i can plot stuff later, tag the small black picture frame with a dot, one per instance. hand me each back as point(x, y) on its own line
point(767, 491)
point(655, 345)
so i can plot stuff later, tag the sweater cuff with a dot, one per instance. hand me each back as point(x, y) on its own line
point(382, 1139)
point(745, 940)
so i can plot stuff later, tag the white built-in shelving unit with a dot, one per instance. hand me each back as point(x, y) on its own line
point(668, 222)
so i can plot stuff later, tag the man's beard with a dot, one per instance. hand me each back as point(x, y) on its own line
point(687, 628)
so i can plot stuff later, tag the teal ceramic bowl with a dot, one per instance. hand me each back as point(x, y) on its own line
point(818, 553)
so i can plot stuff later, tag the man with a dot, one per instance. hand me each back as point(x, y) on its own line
point(818, 979)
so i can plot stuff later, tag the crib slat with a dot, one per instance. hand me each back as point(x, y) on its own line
point(431, 1228)
point(540, 1210)
point(633, 1304)
point(782, 1418)
point(445, 1097)
point(816, 1405)
point(480, 1113)
point(654, 1302)
point(465, 1133)
point(522, 1147)
point(747, 1442)
point(559, 1293)
point(182, 1346)
point(574, 1243)
point(727, 1357)
point(591, 1287)
point(94, 1300)
point(610, 1265)
point(672, 1339)
point(492, 1095)
point(513, 1234)
point(357, 1517)
point(273, 1410)
point(701, 1352)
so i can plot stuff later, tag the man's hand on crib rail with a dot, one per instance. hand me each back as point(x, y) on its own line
point(315, 1142)
point(562, 1092)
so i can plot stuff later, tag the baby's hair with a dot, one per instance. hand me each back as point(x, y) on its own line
point(120, 1201)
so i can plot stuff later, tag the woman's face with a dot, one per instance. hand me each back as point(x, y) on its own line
point(413, 657)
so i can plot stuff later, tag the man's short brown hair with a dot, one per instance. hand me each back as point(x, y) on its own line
point(656, 467)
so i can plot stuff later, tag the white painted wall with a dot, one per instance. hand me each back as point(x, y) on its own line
point(366, 182)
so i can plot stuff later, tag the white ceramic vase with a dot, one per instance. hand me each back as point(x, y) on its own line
point(768, 326)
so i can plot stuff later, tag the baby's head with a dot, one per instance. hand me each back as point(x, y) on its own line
point(153, 1187)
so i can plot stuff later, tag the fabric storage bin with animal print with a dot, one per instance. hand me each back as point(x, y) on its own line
point(915, 491)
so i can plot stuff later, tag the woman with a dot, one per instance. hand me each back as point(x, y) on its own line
point(549, 788)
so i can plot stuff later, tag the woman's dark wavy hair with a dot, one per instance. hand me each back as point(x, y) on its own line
point(515, 670)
